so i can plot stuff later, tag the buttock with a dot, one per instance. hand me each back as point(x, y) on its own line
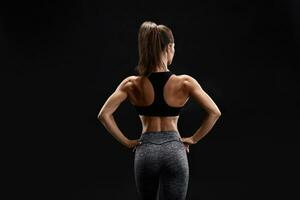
point(161, 152)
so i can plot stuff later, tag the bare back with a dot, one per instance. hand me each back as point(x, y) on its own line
point(141, 93)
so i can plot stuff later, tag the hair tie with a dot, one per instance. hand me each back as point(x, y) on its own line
point(157, 28)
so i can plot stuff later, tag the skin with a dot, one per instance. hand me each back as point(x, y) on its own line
point(177, 91)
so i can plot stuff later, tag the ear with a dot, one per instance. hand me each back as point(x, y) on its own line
point(169, 47)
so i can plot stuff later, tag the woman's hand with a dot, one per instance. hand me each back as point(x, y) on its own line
point(132, 143)
point(187, 141)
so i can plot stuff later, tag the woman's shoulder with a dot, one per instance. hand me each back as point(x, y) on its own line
point(184, 77)
point(131, 81)
point(187, 80)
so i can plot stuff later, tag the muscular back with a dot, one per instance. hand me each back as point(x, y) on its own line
point(141, 93)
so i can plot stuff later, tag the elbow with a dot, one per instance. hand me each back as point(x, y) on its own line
point(101, 117)
point(216, 114)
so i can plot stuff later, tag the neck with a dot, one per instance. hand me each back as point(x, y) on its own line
point(163, 68)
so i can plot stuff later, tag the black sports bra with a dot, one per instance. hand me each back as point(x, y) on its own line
point(159, 107)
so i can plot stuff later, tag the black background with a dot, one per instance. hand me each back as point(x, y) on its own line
point(60, 60)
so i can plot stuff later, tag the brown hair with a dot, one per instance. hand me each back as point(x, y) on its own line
point(152, 41)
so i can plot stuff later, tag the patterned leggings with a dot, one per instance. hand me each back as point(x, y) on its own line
point(161, 161)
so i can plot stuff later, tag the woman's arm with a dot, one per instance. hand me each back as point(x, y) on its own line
point(202, 98)
point(105, 115)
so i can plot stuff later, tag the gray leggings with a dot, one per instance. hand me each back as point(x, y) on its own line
point(161, 161)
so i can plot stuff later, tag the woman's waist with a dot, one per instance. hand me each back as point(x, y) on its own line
point(159, 123)
point(159, 137)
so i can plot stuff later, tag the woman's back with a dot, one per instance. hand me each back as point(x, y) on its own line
point(158, 99)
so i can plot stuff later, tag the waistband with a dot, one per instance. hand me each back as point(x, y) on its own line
point(159, 137)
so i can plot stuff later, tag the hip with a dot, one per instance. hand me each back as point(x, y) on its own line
point(160, 142)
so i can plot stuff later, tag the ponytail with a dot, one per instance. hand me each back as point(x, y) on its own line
point(152, 41)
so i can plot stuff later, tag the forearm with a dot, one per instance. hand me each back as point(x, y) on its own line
point(111, 126)
point(206, 126)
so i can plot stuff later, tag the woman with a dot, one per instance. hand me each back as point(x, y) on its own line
point(158, 96)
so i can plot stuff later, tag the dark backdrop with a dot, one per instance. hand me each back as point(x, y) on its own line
point(60, 60)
